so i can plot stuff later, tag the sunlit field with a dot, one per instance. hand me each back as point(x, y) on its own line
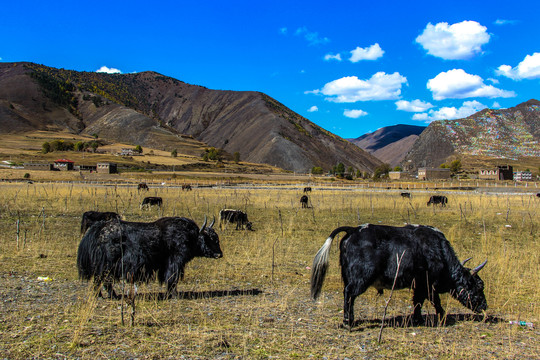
point(254, 302)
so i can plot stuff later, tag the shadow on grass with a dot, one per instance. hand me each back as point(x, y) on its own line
point(190, 295)
point(427, 321)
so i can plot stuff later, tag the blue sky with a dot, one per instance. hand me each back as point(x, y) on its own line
point(349, 66)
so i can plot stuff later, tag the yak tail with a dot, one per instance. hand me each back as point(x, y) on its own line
point(90, 255)
point(320, 262)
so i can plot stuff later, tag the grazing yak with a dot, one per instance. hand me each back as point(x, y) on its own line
point(142, 186)
point(406, 195)
point(151, 200)
point(438, 199)
point(237, 217)
point(138, 252)
point(368, 257)
point(90, 217)
point(186, 187)
point(304, 201)
point(307, 189)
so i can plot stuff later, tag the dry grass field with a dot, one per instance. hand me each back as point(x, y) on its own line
point(254, 302)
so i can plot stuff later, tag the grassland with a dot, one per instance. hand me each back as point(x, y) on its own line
point(254, 302)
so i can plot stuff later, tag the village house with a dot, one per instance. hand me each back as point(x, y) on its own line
point(107, 168)
point(523, 176)
point(504, 172)
point(433, 174)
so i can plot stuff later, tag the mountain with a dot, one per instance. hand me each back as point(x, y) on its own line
point(511, 133)
point(390, 144)
point(161, 112)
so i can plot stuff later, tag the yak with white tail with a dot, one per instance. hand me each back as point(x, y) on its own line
point(427, 264)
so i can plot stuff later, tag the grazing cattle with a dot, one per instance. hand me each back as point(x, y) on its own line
point(304, 201)
point(237, 217)
point(142, 186)
point(151, 200)
point(139, 252)
point(538, 195)
point(307, 189)
point(368, 257)
point(186, 187)
point(406, 195)
point(90, 217)
point(438, 199)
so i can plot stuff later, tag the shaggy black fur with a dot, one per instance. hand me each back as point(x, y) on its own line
point(137, 251)
point(368, 257)
point(237, 217)
point(90, 217)
point(304, 201)
point(438, 200)
point(152, 200)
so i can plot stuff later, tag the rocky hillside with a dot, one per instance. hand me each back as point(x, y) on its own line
point(506, 133)
point(390, 144)
point(158, 111)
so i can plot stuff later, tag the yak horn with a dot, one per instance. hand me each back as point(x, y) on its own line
point(212, 223)
point(478, 268)
point(203, 225)
point(465, 261)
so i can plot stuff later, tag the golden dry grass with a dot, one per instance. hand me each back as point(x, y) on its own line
point(59, 318)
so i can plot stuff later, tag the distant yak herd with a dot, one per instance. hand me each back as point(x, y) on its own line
point(384, 257)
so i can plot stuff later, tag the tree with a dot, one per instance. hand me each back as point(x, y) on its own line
point(79, 146)
point(398, 168)
point(236, 157)
point(57, 145)
point(455, 166)
point(46, 147)
point(381, 171)
point(211, 154)
point(317, 170)
point(340, 169)
point(139, 149)
point(94, 145)
point(174, 153)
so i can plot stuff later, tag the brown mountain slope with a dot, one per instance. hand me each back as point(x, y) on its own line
point(153, 110)
point(511, 133)
point(390, 144)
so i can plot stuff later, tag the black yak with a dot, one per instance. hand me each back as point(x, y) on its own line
point(307, 189)
point(237, 217)
point(142, 186)
point(368, 257)
point(406, 195)
point(90, 217)
point(151, 200)
point(438, 199)
point(304, 201)
point(136, 251)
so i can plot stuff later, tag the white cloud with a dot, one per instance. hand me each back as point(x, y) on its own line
point(372, 52)
point(313, 109)
point(283, 30)
point(311, 37)
point(493, 81)
point(496, 105)
point(107, 70)
point(529, 68)
point(504, 22)
point(417, 106)
point(457, 84)
point(354, 114)
point(454, 42)
point(450, 113)
point(329, 57)
point(380, 86)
